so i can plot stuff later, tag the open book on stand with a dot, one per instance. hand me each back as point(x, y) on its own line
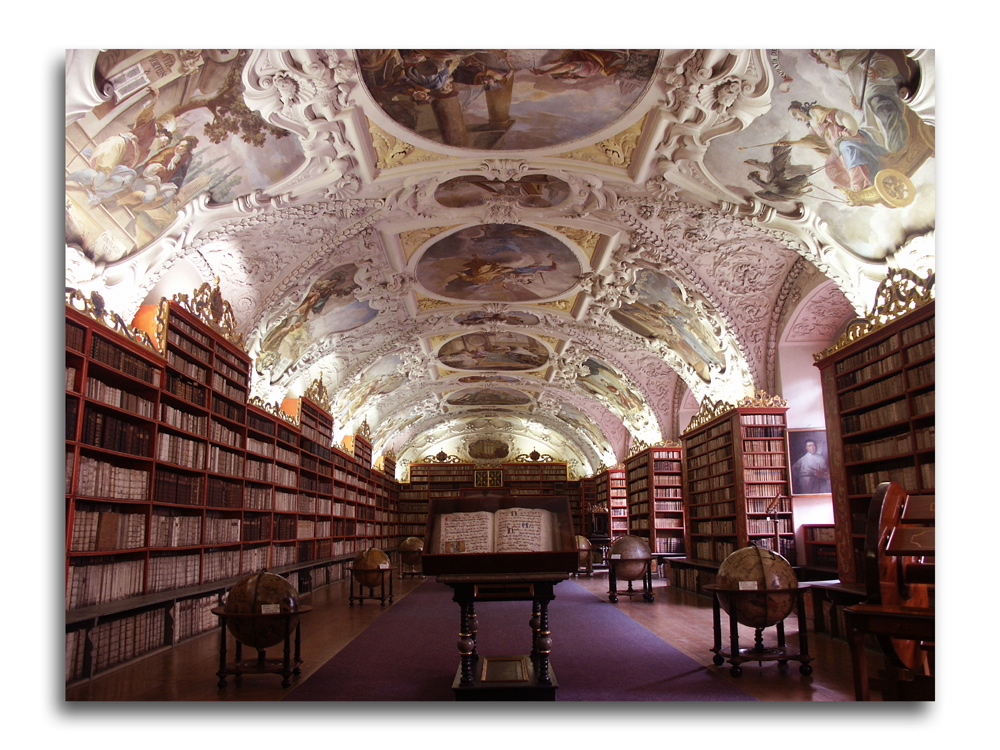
point(506, 530)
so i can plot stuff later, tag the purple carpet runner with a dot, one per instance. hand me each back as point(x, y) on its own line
point(599, 653)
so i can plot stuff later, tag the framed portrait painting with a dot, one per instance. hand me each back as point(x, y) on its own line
point(809, 462)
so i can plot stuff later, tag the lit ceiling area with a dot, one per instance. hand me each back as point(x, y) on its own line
point(482, 253)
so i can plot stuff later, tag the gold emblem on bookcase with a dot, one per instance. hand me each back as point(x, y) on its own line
point(761, 400)
point(317, 393)
point(441, 458)
point(208, 304)
point(711, 409)
point(273, 410)
point(637, 447)
point(93, 307)
point(365, 431)
point(534, 456)
point(899, 293)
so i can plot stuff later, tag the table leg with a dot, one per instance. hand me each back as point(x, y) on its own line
point(612, 583)
point(466, 643)
point(804, 658)
point(856, 639)
point(222, 652)
point(543, 643)
point(298, 648)
point(286, 666)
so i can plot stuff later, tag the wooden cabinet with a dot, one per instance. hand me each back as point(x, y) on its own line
point(655, 505)
point(177, 485)
point(736, 487)
point(878, 393)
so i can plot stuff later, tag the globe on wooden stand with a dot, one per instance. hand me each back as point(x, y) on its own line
point(268, 596)
point(370, 569)
point(411, 552)
point(757, 569)
point(758, 588)
point(629, 559)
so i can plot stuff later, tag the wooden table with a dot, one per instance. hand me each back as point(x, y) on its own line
point(887, 620)
point(520, 677)
point(759, 653)
point(287, 666)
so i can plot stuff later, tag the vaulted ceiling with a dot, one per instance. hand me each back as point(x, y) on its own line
point(489, 252)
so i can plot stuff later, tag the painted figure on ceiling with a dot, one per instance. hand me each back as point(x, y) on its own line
point(852, 155)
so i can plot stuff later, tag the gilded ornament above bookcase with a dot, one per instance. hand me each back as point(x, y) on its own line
point(534, 456)
point(274, 410)
point(209, 306)
point(711, 409)
point(317, 393)
point(899, 293)
point(93, 307)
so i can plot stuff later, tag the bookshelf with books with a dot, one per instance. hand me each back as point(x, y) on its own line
point(611, 489)
point(820, 542)
point(878, 394)
point(736, 486)
point(176, 486)
point(655, 506)
point(534, 477)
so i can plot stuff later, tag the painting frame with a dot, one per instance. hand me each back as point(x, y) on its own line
point(812, 477)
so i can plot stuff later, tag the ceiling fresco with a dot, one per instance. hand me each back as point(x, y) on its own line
point(484, 253)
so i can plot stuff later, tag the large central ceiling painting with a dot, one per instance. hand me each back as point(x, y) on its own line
point(506, 99)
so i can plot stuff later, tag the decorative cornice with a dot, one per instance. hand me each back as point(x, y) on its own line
point(318, 393)
point(273, 409)
point(761, 400)
point(441, 458)
point(93, 307)
point(534, 456)
point(712, 409)
point(207, 304)
point(899, 293)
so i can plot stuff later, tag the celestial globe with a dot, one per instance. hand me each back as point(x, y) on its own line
point(584, 547)
point(411, 549)
point(268, 596)
point(757, 569)
point(630, 555)
point(368, 565)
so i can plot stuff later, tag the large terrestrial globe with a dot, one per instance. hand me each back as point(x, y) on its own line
point(757, 569)
point(630, 555)
point(261, 594)
point(368, 565)
point(411, 549)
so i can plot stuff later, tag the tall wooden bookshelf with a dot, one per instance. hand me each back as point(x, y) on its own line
point(612, 493)
point(177, 485)
point(655, 504)
point(736, 486)
point(878, 393)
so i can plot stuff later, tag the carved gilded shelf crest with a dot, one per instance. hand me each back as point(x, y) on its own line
point(93, 307)
point(209, 306)
point(273, 410)
point(899, 293)
point(533, 457)
point(317, 393)
point(365, 431)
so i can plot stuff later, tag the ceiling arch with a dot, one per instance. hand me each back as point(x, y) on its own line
point(484, 253)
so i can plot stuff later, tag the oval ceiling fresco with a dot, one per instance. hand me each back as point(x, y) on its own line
point(493, 351)
point(498, 263)
point(489, 397)
point(530, 191)
point(506, 99)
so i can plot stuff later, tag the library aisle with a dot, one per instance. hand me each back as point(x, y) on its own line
point(187, 672)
